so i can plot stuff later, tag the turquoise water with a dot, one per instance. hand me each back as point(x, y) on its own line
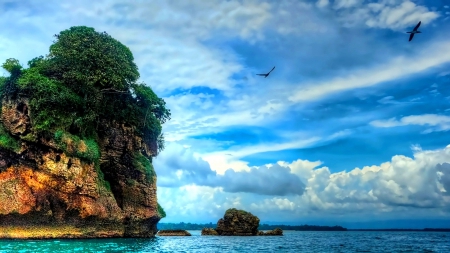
point(292, 241)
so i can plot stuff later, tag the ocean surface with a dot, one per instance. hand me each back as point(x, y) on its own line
point(292, 241)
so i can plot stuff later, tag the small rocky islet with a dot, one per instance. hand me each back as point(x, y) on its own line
point(173, 232)
point(239, 223)
point(234, 223)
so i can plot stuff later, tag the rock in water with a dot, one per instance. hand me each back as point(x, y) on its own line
point(238, 222)
point(173, 233)
point(209, 231)
point(77, 137)
point(276, 231)
point(48, 193)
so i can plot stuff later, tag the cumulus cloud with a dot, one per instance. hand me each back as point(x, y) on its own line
point(273, 180)
point(421, 181)
point(178, 166)
point(444, 177)
point(417, 185)
point(404, 181)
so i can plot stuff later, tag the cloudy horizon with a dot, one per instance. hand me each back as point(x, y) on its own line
point(351, 126)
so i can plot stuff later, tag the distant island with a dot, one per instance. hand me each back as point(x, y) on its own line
point(403, 229)
point(194, 226)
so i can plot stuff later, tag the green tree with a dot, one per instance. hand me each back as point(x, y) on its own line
point(87, 77)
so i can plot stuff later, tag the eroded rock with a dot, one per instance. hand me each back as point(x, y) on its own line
point(209, 231)
point(276, 231)
point(173, 233)
point(238, 222)
point(47, 193)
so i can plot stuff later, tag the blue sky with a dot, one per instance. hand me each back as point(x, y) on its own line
point(351, 126)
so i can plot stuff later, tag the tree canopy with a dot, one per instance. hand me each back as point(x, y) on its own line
point(86, 77)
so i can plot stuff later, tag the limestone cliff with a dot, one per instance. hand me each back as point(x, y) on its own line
point(48, 191)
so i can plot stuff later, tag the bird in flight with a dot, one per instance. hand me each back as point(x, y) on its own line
point(266, 75)
point(414, 31)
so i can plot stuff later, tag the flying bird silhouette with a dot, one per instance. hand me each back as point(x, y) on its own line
point(414, 31)
point(266, 75)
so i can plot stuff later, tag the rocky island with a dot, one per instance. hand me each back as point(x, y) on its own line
point(238, 223)
point(77, 137)
point(173, 232)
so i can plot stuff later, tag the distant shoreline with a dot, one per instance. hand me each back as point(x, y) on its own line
point(364, 230)
point(193, 226)
point(403, 229)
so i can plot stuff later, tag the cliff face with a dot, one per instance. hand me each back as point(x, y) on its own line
point(48, 192)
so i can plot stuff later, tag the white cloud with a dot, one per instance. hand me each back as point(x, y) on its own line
point(410, 186)
point(385, 14)
point(433, 55)
point(399, 14)
point(220, 161)
point(322, 3)
point(338, 4)
point(440, 122)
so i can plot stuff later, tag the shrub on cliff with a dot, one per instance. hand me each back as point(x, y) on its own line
point(86, 77)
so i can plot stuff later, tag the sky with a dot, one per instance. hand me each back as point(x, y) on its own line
point(351, 127)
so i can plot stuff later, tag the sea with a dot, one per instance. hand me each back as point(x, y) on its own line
point(291, 241)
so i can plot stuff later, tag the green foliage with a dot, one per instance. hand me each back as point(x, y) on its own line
point(3, 81)
point(83, 56)
point(155, 114)
point(148, 100)
point(72, 145)
point(161, 211)
point(141, 163)
point(12, 65)
point(86, 78)
point(36, 62)
point(8, 86)
point(7, 141)
point(53, 105)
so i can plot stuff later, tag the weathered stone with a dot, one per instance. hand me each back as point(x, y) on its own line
point(173, 233)
point(45, 193)
point(238, 222)
point(209, 231)
point(276, 231)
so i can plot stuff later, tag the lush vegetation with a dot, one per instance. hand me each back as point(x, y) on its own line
point(7, 141)
point(161, 211)
point(86, 77)
point(74, 146)
point(143, 164)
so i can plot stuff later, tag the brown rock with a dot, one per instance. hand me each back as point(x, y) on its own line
point(209, 231)
point(276, 231)
point(173, 233)
point(46, 193)
point(238, 222)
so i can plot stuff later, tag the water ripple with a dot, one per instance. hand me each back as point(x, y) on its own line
point(292, 241)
